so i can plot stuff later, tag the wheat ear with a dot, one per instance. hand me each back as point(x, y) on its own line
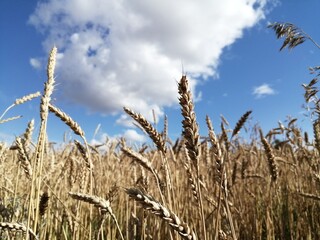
point(67, 120)
point(24, 158)
point(273, 168)
point(144, 162)
point(150, 204)
point(10, 119)
point(21, 101)
point(43, 205)
point(102, 204)
point(27, 136)
point(191, 135)
point(84, 153)
point(147, 126)
point(190, 125)
point(17, 227)
point(240, 123)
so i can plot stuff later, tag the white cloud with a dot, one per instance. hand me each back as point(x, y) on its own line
point(130, 135)
point(6, 138)
point(129, 53)
point(35, 63)
point(134, 136)
point(263, 90)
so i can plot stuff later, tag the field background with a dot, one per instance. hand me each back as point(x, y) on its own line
point(218, 186)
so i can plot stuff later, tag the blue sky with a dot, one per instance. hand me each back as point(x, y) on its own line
point(131, 53)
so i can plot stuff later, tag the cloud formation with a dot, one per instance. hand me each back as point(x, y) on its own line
point(130, 53)
point(35, 63)
point(263, 90)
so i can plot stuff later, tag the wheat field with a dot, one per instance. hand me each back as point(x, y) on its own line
point(196, 187)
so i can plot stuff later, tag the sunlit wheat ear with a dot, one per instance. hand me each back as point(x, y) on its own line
point(273, 168)
point(140, 159)
point(17, 227)
point(240, 123)
point(150, 204)
point(144, 162)
point(150, 130)
point(224, 120)
point(102, 204)
point(191, 136)
point(23, 157)
point(49, 85)
point(27, 98)
point(189, 123)
point(213, 138)
point(217, 151)
point(27, 136)
point(84, 153)
point(21, 101)
point(67, 120)
point(10, 119)
point(224, 137)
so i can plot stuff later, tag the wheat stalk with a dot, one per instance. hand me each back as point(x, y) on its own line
point(39, 158)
